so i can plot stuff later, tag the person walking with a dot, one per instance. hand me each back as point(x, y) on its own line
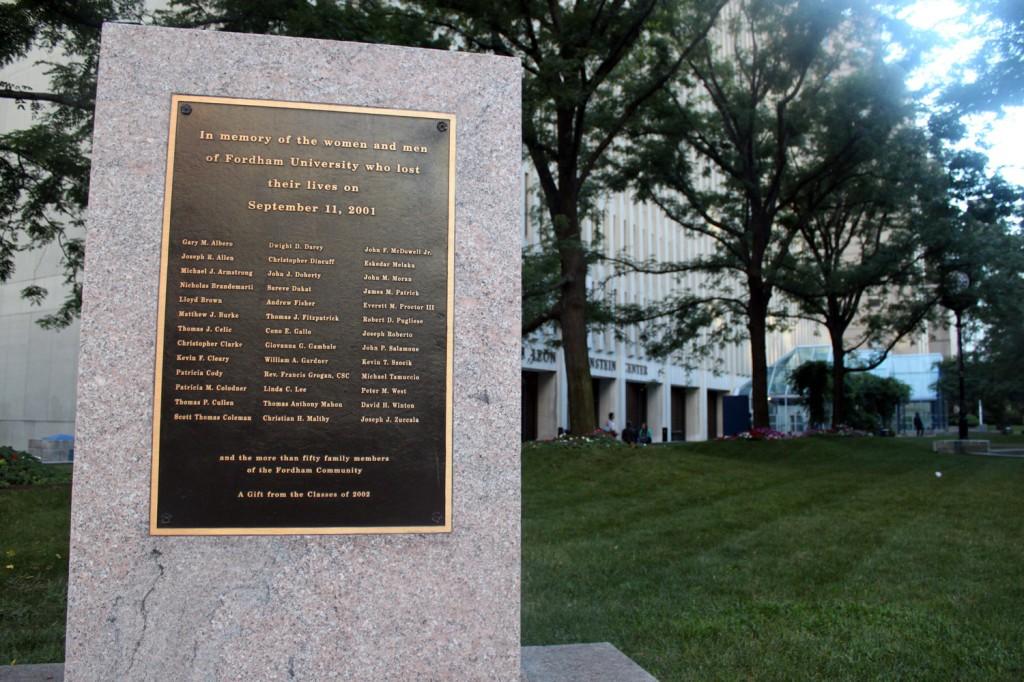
point(918, 424)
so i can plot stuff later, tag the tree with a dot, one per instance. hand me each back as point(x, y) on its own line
point(371, 21)
point(44, 169)
point(729, 156)
point(811, 381)
point(994, 361)
point(999, 65)
point(991, 364)
point(874, 400)
point(857, 267)
point(990, 381)
point(972, 250)
point(590, 70)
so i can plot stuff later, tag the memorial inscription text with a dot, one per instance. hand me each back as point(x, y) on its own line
point(303, 362)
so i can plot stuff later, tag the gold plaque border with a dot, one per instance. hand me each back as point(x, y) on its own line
point(176, 99)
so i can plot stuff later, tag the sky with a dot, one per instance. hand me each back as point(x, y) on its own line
point(1003, 135)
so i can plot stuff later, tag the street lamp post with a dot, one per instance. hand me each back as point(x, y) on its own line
point(961, 399)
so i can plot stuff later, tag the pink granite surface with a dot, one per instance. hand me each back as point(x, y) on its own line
point(396, 607)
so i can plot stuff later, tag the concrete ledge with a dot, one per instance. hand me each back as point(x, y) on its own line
point(959, 447)
point(36, 672)
point(597, 662)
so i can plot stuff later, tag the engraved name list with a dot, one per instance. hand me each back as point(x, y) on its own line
point(303, 369)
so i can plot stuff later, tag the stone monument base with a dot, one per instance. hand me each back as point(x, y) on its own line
point(145, 606)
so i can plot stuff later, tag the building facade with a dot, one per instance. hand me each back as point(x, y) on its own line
point(680, 398)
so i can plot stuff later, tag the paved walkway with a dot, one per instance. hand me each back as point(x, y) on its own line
point(599, 662)
point(41, 672)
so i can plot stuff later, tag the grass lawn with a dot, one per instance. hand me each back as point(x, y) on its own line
point(806, 559)
point(33, 572)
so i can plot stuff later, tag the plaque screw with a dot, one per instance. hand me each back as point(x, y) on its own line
point(442, 126)
point(186, 109)
point(436, 516)
point(165, 518)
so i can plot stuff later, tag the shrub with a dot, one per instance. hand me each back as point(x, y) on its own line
point(972, 421)
point(813, 382)
point(761, 433)
point(873, 400)
point(597, 439)
point(21, 468)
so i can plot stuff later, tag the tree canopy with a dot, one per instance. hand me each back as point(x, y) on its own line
point(44, 169)
point(775, 130)
point(996, 74)
point(780, 111)
point(590, 70)
point(857, 267)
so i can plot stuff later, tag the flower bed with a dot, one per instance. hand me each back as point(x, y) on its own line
point(21, 468)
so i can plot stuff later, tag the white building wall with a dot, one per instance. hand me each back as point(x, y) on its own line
point(38, 367)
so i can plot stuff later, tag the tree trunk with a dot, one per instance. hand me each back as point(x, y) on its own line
point(757, 325)
point(838, 379)
point(573, 322)
point(565, 216)
point(961, 400)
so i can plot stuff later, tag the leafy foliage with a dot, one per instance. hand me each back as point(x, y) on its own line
point(857, 267)
point(44, 169)
point(364, 21)
point(21, 468)
point(873, 400)
point(993, 360)
point(781, 114)
point(590, 70)
point(972, 231)
point(999, 65)
point(812, 382)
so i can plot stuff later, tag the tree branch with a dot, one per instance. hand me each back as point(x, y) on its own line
point(33, 96)
point(539, 321)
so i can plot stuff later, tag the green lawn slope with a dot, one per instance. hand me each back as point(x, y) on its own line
point(815, 558)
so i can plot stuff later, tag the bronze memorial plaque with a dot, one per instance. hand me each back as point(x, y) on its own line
point(304, 341)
